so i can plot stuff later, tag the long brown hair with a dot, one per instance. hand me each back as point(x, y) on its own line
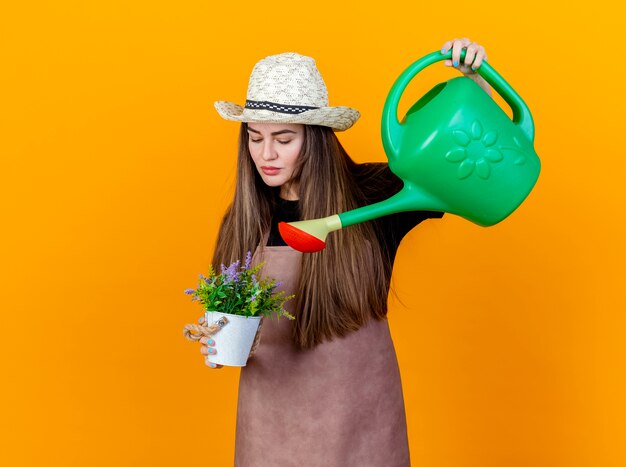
point(344, 285)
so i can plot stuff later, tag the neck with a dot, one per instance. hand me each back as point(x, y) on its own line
point(289, 193)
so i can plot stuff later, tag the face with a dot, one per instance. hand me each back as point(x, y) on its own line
point(275, 147)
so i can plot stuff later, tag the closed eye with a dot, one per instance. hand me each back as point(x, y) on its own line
point(259, 140)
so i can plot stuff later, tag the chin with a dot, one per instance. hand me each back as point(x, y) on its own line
point(273, 182)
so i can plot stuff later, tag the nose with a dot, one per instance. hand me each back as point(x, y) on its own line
point(268, 152)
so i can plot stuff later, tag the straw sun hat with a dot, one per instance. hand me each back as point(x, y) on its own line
point(288, 88)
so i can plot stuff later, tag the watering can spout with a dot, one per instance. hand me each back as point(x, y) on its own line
point(310, 236)
point(410, 198)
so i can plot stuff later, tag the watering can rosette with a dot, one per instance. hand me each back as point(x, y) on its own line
point(455, 150)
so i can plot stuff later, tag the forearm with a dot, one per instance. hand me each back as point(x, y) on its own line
point(481, 82)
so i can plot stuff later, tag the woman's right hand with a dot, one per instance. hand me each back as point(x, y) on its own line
point(208, 348)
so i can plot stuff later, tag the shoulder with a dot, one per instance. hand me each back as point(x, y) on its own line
point(376, 181)
point(373, 169)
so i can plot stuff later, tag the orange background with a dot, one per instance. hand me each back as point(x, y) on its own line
point(115, 172)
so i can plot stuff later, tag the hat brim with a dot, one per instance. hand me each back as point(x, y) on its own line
point(338, 118)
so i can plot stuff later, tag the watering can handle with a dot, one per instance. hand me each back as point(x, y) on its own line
point(392, 128)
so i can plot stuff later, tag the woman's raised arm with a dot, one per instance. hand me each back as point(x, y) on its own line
point(474, 57)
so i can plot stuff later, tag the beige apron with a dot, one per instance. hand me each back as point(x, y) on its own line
point(337, 405)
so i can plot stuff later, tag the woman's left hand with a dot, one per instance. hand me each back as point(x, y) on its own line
point(474, 57)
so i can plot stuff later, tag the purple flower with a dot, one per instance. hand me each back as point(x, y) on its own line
point(279, 283)
point(248, 259)
point(231, 273)
point(253, 299)
point(189, 291)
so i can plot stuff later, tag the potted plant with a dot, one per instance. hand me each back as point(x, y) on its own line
point(234, 302)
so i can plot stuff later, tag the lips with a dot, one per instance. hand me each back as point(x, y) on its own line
point(267, 170)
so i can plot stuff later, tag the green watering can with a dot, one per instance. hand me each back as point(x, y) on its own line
point(455, 150)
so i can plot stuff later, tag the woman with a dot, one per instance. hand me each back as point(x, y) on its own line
point(323, 390)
